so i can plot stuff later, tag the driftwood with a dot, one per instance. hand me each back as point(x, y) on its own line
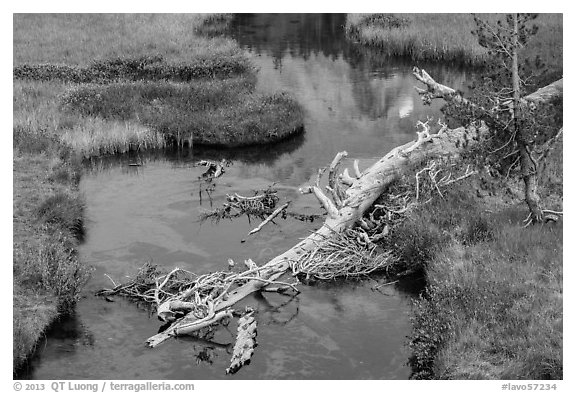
point(245, 342)
point(269, 218)
point(215, 169)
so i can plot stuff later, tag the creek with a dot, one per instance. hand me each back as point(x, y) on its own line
point(354, 101)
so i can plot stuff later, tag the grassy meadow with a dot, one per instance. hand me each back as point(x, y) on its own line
point(447, 38)
point(152, 66)
point(492, 306)
point(97, 84)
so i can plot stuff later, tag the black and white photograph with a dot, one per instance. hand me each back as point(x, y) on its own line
point(287, 196)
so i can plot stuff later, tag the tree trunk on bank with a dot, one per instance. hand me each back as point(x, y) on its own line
point(528, 166)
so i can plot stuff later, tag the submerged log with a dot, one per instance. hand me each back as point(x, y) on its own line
point(245, 342)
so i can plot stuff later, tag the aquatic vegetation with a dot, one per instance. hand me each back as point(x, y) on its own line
point(95, 137)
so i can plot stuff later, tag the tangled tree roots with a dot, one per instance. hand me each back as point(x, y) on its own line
point(348, 254)
point(184, 291)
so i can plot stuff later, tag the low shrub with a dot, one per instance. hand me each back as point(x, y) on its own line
point(147, 67)
point(477, 229)
point(414, 243)
point(431, 330)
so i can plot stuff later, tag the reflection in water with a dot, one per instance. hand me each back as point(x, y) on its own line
point(355, 100)
point(145, 207)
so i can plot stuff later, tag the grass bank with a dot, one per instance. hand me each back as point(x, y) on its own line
point(447, 38)
point(492, 306)
point(95, 84)
point(122, 82)
point(48, 224)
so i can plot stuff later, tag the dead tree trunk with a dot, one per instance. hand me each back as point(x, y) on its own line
point(363, 190)
point(345, 208)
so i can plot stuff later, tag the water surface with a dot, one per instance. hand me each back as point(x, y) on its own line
point(354, 101)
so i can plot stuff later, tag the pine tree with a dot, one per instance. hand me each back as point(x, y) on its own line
point(521, 133)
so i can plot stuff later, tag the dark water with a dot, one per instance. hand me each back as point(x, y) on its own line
point(354, 101)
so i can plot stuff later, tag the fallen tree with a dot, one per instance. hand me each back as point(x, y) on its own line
point(192, 302)
point(345, 209)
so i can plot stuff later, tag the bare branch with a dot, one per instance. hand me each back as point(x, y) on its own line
point(337, 194)
point(323, 199)
point(269, 218)
point(346, 178)
point(357, 170)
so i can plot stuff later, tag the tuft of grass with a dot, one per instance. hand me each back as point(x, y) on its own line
point(213, 25)
point(50, 265)
point(414, 244)
point(129, 100)
point(477, 229)
point(96, 137)
point(136, 68)
point(437, 37)
point(259, 119)
point(64, 211)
